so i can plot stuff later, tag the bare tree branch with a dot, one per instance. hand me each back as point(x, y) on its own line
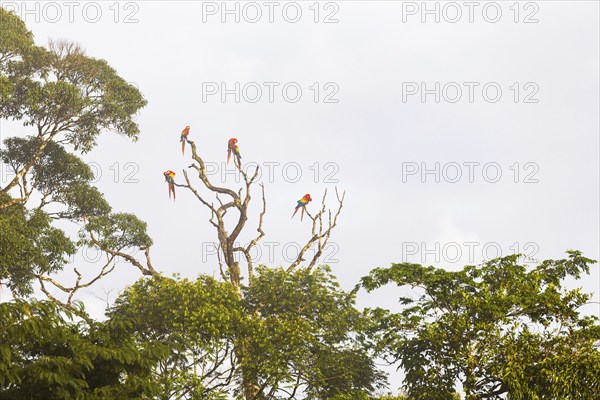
point(239, 201)
point(320, 234)
point(78, 285)
point(147, 270)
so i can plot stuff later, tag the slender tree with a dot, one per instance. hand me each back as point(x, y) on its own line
point(66, 99)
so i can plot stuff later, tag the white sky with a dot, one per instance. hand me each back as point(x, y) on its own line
point(370, 55)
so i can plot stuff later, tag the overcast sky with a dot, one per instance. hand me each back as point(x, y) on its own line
point(518, 91)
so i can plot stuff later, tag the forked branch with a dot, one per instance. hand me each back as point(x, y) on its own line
point(107, 268)
point(239, 201)
point(321, 231)
point(323, 222)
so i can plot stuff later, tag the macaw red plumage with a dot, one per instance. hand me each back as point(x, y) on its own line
point(232, 147)
point(169, 177)
point(184, 135)
point(302, 204)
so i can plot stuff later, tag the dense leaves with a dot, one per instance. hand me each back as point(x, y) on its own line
point(61, 90)
point(15, 38)
point(306, 336)
point(45, 354)
point(297, 332)
point(117, 231)
point(66, 99)
point(196, 322)
point(502, 328)
point(59, 176)
point(30, 246)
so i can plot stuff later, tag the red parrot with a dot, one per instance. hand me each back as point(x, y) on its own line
point(233, 148)
point(169, 175)
point(302, 204)
point(184, 134)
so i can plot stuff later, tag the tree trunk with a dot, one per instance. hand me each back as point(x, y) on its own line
point(250, 387)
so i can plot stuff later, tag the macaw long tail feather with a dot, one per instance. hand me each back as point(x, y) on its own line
point(295, 211)
point(228, 155)
point(84, 219)
point(183, 147)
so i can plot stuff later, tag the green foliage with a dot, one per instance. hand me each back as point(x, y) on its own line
point(306, 335)
point(15, 39)
point(117, 231)
point(46, 355)
point(195, 322)
point(62, 90)
point(500, 329)
point(204, 310)
point(390, 397)
point(30, 246)
point(62, 181)
point(68, 98)
point(39, 353)
point(60, 177)
point(293, 330)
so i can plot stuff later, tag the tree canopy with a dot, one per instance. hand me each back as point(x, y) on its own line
point(46, 354)
point(66, 99)
point(503, 329)
point(500, 329)
point(305, 341)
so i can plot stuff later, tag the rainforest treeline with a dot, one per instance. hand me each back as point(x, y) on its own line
point(505, 329)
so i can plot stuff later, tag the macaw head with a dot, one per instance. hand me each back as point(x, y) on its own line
point(307, 197)
point(187, 127)
point(233, 141)
point(169, 173)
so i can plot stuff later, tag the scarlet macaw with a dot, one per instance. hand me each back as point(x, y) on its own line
point(184, 134)
point(169, 175)
point(232, 147)
point(302, 204)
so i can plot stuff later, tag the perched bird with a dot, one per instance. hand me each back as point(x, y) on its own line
point(302, 204)
point(184, 135)
point(232, 147)
point(169, 175)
